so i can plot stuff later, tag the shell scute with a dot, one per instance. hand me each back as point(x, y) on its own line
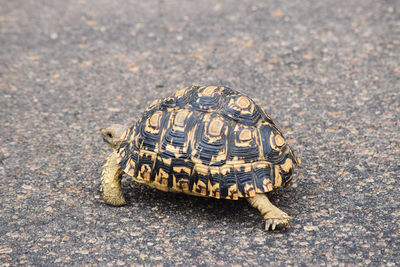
point(242, 109)
point(176, 136)
point(207, 99)
point(244, 146)
point(208, 147)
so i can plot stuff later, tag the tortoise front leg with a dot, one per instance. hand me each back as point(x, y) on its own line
point(111, 181)
point(272, 215)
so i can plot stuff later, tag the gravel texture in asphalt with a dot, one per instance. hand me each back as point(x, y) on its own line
point(328, 73)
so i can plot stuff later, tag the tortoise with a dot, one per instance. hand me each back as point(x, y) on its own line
point(205, 141)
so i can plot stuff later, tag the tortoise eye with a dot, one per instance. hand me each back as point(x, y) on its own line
point(110, 135)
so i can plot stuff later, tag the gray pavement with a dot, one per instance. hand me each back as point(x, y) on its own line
point(328, 72)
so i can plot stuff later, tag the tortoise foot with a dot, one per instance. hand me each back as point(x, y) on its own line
point(276, 219)
point(111, 182)
point(113, 196)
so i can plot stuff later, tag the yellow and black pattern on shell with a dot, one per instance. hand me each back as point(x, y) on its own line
point(207, 98)
point(241, 109)
point(209, 141)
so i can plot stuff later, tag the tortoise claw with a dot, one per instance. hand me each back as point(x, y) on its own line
point(268, 224)
point(273, 225)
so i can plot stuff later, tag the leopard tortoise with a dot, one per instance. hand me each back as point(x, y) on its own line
point(203, 141)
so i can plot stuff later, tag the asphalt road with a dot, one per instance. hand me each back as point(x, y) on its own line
point(328, 72)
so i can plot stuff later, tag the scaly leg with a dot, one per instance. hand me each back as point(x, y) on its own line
point(272, 215)
point(111, 182)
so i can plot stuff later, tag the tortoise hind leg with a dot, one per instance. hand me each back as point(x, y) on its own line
point(272, 215)
point(111, 181)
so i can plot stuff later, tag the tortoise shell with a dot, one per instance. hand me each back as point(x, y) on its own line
point(207, 141)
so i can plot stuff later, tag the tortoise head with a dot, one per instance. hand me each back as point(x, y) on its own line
point(112, 135)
